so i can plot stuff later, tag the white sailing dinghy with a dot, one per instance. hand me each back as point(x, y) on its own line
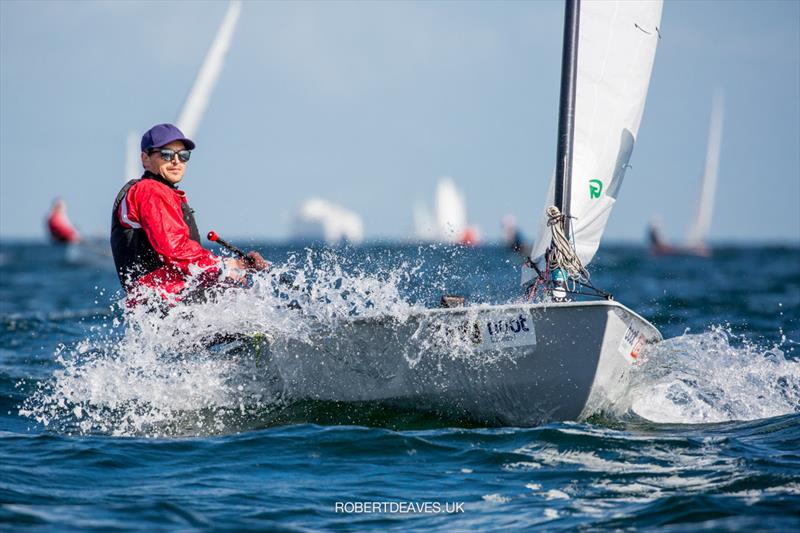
point(521, 363)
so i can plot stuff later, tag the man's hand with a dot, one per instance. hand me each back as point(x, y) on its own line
point(254, 261)
point(238, 265)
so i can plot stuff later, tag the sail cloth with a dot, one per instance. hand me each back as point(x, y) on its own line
point(705, 205)
point(197, 101)
point(616, 47)
point(451, 211)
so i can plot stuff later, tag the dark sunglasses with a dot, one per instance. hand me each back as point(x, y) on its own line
point(167, 154)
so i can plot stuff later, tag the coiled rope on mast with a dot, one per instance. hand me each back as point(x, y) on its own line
point(562, 254)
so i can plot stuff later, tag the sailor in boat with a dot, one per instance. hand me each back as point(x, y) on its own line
point(61, 229)
point(658, 245)
point(154, 237)
point(512, 236)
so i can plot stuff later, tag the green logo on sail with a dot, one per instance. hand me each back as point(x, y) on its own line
point(595, 188)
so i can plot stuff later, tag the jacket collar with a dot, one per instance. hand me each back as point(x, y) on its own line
point(149, 175)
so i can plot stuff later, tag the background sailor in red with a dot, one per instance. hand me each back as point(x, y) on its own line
point(58, 224)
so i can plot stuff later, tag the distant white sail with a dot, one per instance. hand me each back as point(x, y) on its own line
point(705, 205)
point(616, 49)
point(451, 212)
point(133, 163)
point(197, 101)
point(321, 220)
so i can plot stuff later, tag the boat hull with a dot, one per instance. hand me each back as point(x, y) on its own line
point(515, 364)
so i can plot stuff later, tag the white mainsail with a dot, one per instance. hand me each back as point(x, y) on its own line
point(705, 205)
point(616, 48)
point(451, 211)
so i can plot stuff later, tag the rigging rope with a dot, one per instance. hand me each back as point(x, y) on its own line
point(562, 255)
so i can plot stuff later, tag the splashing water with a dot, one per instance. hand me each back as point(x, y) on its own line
point(157, 373)
point(713, 377)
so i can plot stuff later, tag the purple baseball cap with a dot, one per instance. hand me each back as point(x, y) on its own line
point(163, 134)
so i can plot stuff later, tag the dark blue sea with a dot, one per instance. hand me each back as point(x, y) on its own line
point(111, 421)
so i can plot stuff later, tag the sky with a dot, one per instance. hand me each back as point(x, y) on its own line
point(368, 104)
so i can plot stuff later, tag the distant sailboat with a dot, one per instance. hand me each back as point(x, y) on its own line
point(697, 238)
point(512, 236)
point(78, 249)
point(451, 213)
point(449, 221)
point(59, 227)
point(321, 220)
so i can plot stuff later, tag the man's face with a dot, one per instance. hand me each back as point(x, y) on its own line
point(171, 170)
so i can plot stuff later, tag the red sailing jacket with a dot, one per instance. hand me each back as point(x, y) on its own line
point(156, 208)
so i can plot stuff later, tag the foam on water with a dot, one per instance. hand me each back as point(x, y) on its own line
point(713, 377)
point(153, 373)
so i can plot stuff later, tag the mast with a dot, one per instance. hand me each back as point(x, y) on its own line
point(566, 115)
